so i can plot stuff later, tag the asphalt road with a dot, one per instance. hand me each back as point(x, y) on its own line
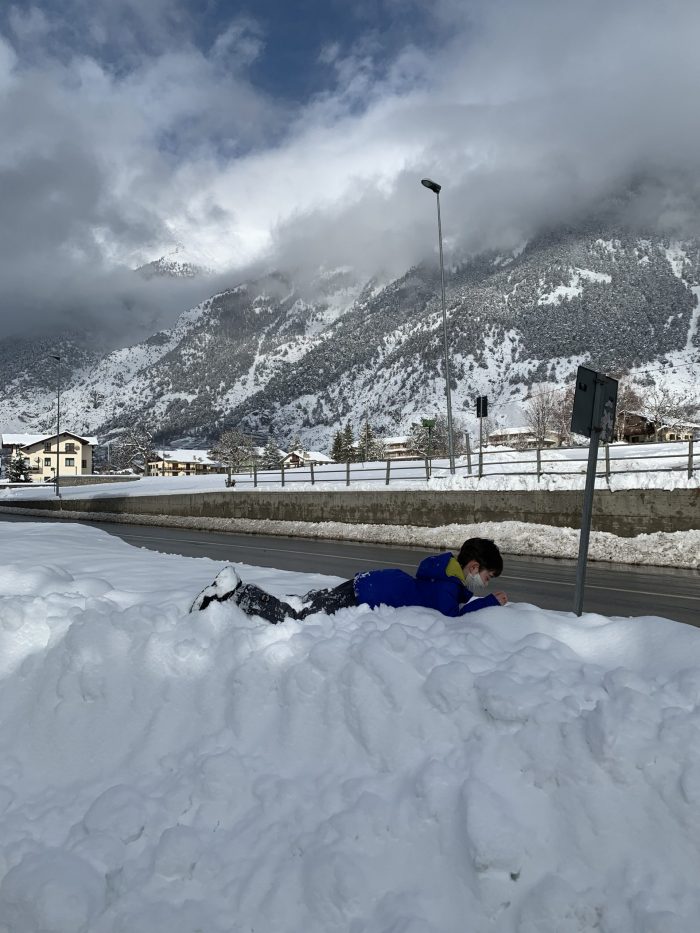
point(611, 589)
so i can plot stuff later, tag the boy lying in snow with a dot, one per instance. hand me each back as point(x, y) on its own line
point(442, 582)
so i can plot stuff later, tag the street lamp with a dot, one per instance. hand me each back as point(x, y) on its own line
point(433, 186)
point(58, 425)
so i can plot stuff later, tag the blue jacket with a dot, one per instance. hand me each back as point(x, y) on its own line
point(438, 584)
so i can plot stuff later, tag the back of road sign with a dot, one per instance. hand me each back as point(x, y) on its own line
point(594, 416)
point(584, 415)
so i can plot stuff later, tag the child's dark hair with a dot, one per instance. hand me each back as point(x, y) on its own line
point(483, 550)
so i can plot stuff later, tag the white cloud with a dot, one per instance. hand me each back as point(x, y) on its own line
point(528, 113)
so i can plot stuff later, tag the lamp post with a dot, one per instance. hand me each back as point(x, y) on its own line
point(58, 425)
point(433, 186)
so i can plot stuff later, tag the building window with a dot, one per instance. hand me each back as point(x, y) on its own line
point(70, 448)
point(47, 447)
point(84, 462)
point(70, 461)
point(47, 461)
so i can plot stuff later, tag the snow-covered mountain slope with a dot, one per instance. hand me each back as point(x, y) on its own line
point(178, 263)
point(272, 357)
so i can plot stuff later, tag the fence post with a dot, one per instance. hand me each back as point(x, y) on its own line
point(427, 469)
point(282, 466)
point(347, 473)
point(312, 473)
point(469, 454)
point(607, 462)
point(539, 463)
point(690, 458)
point(388, 468)
point(255, 475)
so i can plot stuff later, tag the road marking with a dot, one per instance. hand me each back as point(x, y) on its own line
point(246, 547)
point(613, 589)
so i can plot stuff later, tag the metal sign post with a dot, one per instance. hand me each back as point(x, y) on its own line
point(429, 423)
point(482, 408)
point(593, 416)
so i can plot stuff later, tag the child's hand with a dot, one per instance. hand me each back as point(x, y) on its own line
point(501, 597)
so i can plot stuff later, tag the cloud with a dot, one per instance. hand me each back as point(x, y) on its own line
point(144, 132)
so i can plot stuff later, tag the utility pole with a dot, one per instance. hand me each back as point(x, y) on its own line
point(58, 428)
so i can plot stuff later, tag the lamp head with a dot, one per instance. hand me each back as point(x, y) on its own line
point(433, 185)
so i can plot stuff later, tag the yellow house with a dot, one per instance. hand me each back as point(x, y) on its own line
point(40, 454)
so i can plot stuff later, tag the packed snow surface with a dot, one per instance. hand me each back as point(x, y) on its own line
point(386, 771)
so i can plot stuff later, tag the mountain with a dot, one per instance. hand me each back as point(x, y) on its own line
point(277, 356)
point(177, 263)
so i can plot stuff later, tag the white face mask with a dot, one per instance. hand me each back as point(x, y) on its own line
point(474, 582)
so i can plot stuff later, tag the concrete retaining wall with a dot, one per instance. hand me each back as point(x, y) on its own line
point(94, 479)
point(626, 513)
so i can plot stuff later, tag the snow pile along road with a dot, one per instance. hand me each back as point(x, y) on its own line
point(388, 771)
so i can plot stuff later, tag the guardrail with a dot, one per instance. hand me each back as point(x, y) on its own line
point(539, 462)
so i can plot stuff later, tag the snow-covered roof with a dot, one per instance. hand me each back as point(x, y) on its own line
point(185, 455)
point(308, 455)
point(678, 425)
point(24, 440)
point(260, 451)
point(505, 431)
point(400, 439)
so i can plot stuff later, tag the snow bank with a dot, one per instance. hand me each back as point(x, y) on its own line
point(388, 771)
point(670, 549)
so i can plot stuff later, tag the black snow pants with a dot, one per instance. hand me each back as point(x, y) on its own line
point(256, 602)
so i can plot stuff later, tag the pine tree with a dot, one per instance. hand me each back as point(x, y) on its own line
point(271, 455)
point(430, 439)
point(17, 469)
point(369, 447)
point(295, 443)
point(337, 448)
point(349, 452)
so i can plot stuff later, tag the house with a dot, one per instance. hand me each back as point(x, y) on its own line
point(183, 462)
point(399, 448)
point(638, 428)
point(40, 454)
point(682, 431)
point(521, 437)
point(302, 458)
point(634, 427)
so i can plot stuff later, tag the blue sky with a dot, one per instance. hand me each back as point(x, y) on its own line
point(294, 135)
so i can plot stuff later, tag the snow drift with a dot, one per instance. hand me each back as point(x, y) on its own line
point(387, 771)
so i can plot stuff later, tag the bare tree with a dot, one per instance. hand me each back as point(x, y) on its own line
point(629, 405)
point(540, 413)
point(667, 407)
point(234, 449)
point(561, 418)
point(133, 449)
